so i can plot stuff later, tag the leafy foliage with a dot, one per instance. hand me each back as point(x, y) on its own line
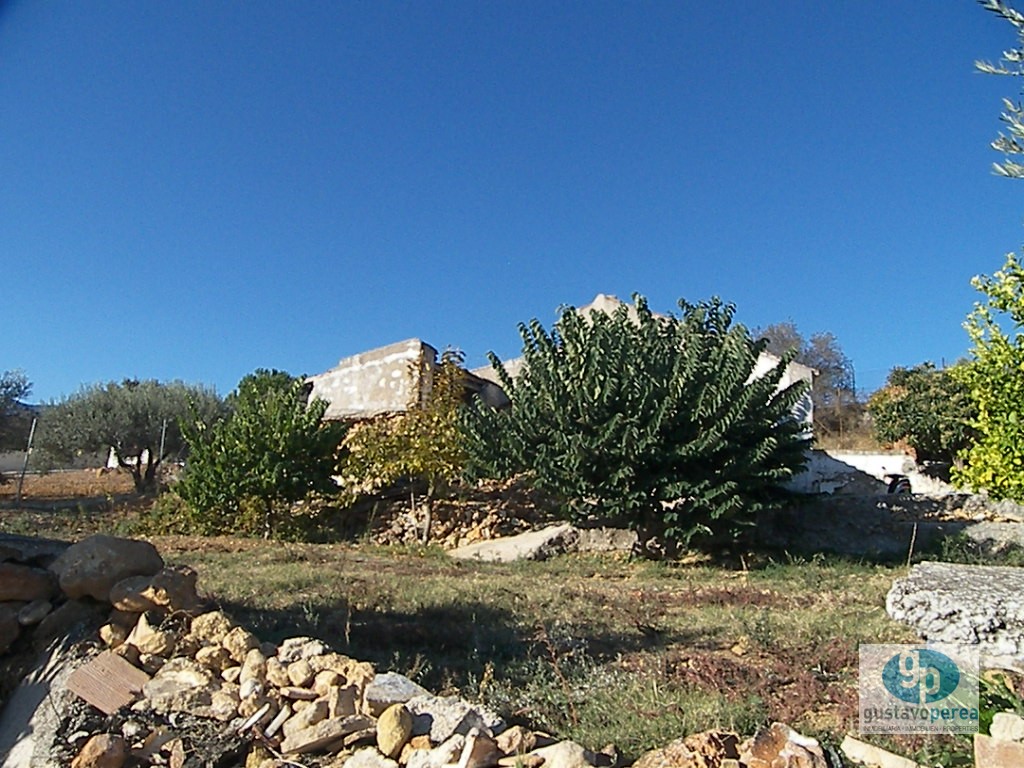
point(1011, 63)
point(651, 421)
point(14, 387)
point(134, 418)
point(929, 410)
point(995, 379)
point(272, 449)
point(424, 443)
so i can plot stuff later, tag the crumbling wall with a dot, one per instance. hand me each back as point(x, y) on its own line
point(389, 379)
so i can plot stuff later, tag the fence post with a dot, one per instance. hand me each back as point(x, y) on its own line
point(24, 466)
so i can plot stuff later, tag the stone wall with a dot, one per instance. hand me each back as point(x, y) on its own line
point(390, 379)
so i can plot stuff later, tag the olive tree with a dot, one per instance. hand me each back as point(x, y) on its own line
point(139, 420)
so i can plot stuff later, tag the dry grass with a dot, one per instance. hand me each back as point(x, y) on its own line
point(600, 649)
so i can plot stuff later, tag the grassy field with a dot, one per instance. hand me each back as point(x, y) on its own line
point(599, 649)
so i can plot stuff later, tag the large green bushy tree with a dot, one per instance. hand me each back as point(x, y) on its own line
point(928, 409)
point(655, 422)
point(135, 418)
point(14, 387)
point(994, 377)
point(272, 447)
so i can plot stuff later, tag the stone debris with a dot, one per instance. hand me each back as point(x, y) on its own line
point(975, 606)
point(204, 689)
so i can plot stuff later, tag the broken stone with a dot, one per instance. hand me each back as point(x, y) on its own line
point(341, 701)
point(224, 703)
point(215, 657)
point(566, 754)
point(694, 751)
point(34, 612)
point(444, 754)
point(89, 568)
point(324, 734)
point(104, 750)
point(517, 740)
point(149, 639)
point(443, 716)
point(151, 663)
point(779, 746)
point(230, 675)
point(326, 679)
point(126, 595)
point(1007, 726)
point(991, 753)
point(279, 720)
point(368, 757)
point(249, 688)
point(277, 673)
point(211, 627)
point(174, 589)
point(977, 606)
point(25, 583)
point(390, 688)
point(394, 727)
point(479, 751)
point(295, 648)
point(294, 692)
point(238, 642)
point(300, 673)
point(868, 754)
point(305, 717)
point(181, 685)
point(253, 668)
point(113, 635)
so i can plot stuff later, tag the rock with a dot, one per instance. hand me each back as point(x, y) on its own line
point(306, 717)
point(181, 685)
point(389, 688)
point(104, 750)
point(34, 612)
point(779, 746)
point(277, 673)
point(566, 754)
point(254, 667)
point(991, 753)
point(341, 700)
point(211, 628)
point(215, 657)
point(300, 673)
point(443, 716)
point(394, 727)
point(10, 628)
point(368, 757)
point(698, 750)
point(517, 740)
point(126, 595)
point(978, 606)
point(864, 753)
point(94, 565)
point(73, 617)
point(479, 751)
point(324, 734)
point(114, 635)
point(444, 754)
point(532, 545)
point(150, 639)
point(173, 589)
point(239, 642)
point(25, 583)
point(1007, 726)
point(295, 648)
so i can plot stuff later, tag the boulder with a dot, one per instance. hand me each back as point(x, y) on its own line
point(532, 545)
point(388, 688)
point(394, 727)
point(33, 613)
point(91, 567)
point(25, 583)
point(104, 750)
point(968, 606)
point(698, 750)
point(779, 746)
point(443, 716)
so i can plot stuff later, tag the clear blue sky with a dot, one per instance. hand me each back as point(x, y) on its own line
point(193, 190)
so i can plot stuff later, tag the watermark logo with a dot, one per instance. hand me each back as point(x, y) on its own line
point(918, 689)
